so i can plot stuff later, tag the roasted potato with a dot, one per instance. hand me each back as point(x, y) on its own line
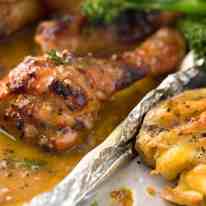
point(172, 141)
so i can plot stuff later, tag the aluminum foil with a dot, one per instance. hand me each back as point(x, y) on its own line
point(101, 162)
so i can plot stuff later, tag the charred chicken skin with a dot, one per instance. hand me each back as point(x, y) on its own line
point(77, 34)
point(172, 141)
point(52, 99)
point(16, 13)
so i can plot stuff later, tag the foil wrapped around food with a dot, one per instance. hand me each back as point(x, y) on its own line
point(97, 165)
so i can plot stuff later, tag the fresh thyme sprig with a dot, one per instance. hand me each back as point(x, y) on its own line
point(57, 58)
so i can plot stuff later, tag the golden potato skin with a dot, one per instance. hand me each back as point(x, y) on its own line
point(16, 13)
point(172, 141)
point(191, 188)
point(172, 122)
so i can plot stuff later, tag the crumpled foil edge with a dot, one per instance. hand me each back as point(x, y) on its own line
point(101, 162)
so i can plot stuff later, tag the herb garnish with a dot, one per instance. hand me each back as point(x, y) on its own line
point(32, 164)
point(194, 30)
point(57, 58)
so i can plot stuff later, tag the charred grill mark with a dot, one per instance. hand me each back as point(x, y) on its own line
point(130, 74)
point(60, 89)
point(78, 100)
point(19, 124)
point(134, 26)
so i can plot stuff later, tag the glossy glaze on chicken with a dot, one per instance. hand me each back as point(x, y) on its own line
point(52, 99)
point(77, 34)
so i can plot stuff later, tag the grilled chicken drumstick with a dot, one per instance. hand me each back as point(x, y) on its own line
point(78, 35)
point(16, 13)
point(50, 100)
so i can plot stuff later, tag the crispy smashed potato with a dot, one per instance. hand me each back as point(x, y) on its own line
point(16, 13)
point(172, 141)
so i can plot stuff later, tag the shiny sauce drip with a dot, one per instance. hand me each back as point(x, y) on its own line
point(122, 197)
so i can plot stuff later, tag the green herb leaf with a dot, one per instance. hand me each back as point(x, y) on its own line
point(33, 164)
point(56, 58)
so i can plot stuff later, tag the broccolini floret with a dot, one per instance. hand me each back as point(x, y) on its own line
point(194, 29)
point(107, 10)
